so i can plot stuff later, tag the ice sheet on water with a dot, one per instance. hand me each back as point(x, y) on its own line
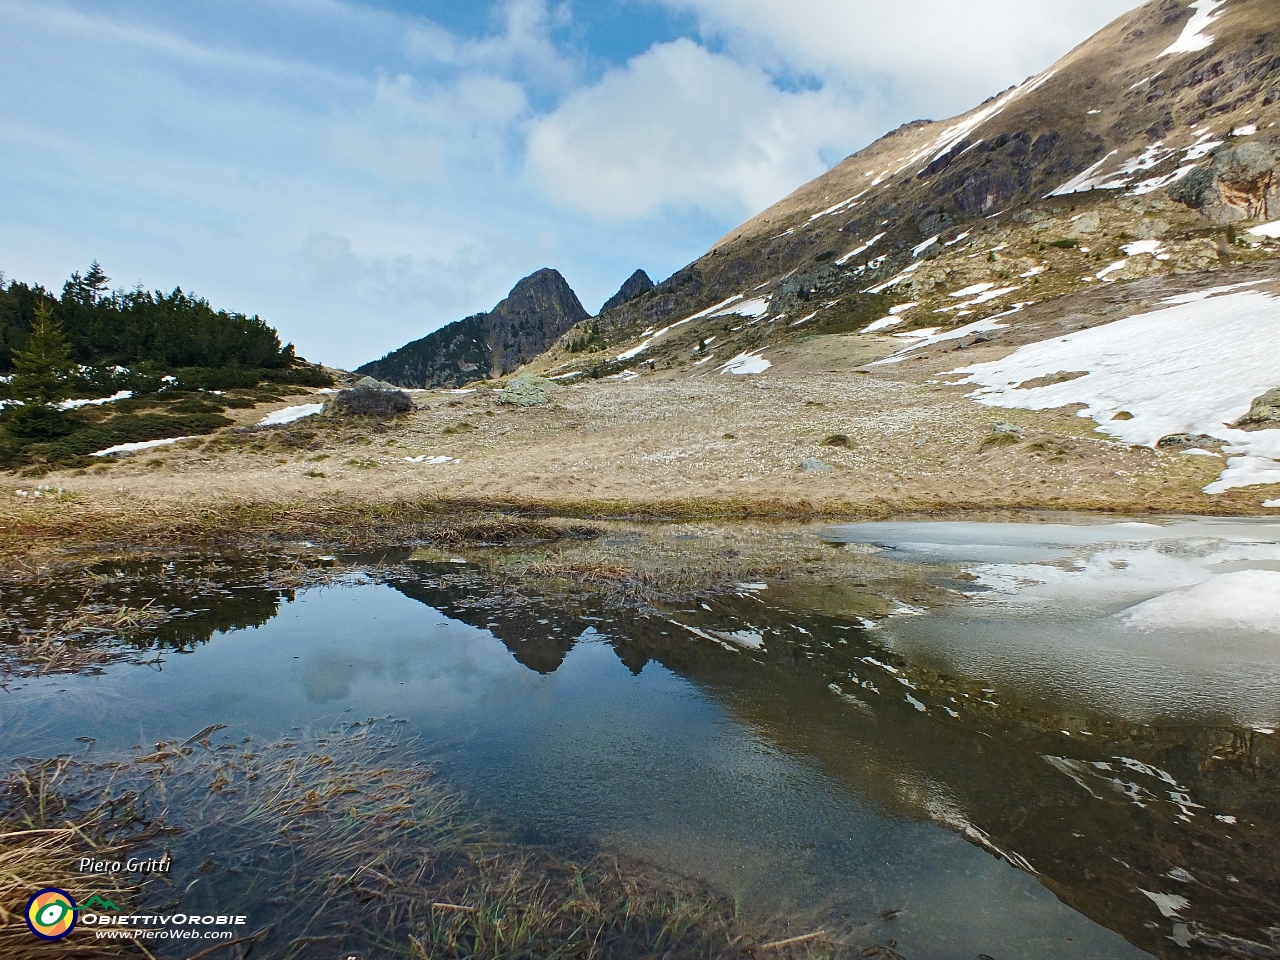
point(1136, 618)
point(1245, 599)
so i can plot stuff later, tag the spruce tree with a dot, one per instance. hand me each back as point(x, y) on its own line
point(43, 370)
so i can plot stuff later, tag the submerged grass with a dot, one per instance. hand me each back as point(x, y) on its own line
point(339, 843)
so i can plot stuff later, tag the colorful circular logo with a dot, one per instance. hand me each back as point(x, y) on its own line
point(51, 914)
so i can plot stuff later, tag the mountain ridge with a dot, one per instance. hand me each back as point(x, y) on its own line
point(537, 311)
point(1147, 111)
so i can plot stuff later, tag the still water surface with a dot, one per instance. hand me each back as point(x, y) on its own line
point(972, 761)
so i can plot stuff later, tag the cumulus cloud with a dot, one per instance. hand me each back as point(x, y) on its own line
point(937, 55)
point(360, 176)
point(682, 126)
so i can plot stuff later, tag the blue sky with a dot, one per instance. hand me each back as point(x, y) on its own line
point(360, 172)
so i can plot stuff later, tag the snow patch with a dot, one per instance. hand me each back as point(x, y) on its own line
point(139, 445)
point(747, 363)
point(1269, 230)
point(862, 249)
point(1193, 38)
point(1192, 368)
point(77, 404)
point(652, 335)
point(922, 247)
point(291, 414)
point(1169, 904)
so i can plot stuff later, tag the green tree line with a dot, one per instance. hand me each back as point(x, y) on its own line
point(106, 328)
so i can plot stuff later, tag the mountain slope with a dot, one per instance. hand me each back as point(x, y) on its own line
point(539, 309)
point(1160, 128)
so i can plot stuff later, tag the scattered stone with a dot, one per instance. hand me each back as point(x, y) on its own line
point(837, 440)
point(814, 465)
point(526, 391)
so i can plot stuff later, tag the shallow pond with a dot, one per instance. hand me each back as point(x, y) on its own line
point(1039, 741)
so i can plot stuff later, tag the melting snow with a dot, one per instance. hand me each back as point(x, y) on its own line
point(76, 404)
point(747, 363)
point(433, 461)
point(1169, 904)
point(139, 445)
point(862, 249)
point(1192, 368)
point(1244, 599)
point(922, 247)
point(976, 288)
point(1269, 230)
point(1248, 130)
point(1193, 38)
point(954, 135)
point(651, 335)
point(885, 324)
point(896, 280)
point(751, 308)
point(290, 414)
point(930, 335)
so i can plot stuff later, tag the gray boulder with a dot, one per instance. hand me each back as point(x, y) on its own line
point(526, 391)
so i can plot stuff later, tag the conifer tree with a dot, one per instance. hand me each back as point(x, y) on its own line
point(43, 370)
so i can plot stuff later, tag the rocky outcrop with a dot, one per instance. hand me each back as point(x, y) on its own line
point(637, 284)
point(1265, 413)
point(1242, 183)
point(539, 309)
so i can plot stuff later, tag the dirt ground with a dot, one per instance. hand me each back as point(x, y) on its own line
point(665, 444)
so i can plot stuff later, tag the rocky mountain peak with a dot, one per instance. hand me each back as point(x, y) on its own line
point(533, 316)
point(638, 283)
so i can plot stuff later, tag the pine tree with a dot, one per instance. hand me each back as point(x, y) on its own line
point(42, 368)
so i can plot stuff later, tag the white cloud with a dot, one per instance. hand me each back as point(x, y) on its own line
point(681, 126)
point(939, 56)
point(359, 177)
point(406, 133)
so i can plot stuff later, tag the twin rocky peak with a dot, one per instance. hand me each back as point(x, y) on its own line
point(540, 309)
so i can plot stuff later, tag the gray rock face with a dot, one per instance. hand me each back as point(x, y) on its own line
point(1242, 183)
point(637, 284)
point(540, 309)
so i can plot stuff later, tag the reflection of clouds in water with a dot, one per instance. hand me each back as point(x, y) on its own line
point(1110, 581)
point(326, 677)
point(1142, 620)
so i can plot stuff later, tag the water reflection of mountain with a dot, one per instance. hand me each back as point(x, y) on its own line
point(1166, 835)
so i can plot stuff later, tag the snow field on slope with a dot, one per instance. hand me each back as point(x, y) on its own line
point(1193, 38)
point(1191, 368)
